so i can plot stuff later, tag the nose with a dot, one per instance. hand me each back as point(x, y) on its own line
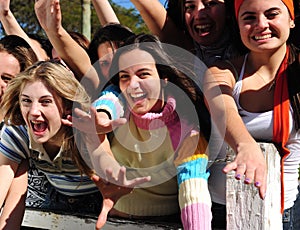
point(35, 109)
point(134, 82)
point(262, 22)
point(200, 10)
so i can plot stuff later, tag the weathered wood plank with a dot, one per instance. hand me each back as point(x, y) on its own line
point(52, 221)
point(245, 209)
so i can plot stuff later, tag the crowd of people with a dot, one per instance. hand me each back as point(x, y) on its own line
point(136, 126)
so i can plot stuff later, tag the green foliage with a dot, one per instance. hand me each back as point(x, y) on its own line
point(131, 18)
point(71, 13)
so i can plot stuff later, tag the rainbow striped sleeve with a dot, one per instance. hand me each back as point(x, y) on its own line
point(194, 197)
point(110, 102)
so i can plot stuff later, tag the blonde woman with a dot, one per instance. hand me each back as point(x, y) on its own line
point(34, 106)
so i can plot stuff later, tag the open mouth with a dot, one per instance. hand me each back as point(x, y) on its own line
point(39, 126)
point(137, 96)
point(203, 29)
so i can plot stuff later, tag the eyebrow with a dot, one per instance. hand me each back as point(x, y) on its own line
point(42, 97)
point(189, 1)
point(139, 70)
point(269, 10)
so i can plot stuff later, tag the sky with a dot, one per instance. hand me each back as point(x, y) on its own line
point(128, 4)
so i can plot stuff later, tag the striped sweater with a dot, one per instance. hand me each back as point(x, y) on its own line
point(61, 172)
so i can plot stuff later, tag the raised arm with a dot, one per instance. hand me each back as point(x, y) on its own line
point(218, 87)
point(105, 12)
point(12, 27)
point(160, 24)
point(49, 15)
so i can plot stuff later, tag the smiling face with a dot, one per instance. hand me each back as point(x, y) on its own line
point(264, 25)
point(9, 68)
point(205, 20)
point(41, 110)
point(139, 81)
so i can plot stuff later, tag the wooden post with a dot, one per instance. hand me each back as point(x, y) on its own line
point(86, 18)
point(245, 209)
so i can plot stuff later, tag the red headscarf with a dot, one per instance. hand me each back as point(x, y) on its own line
point(289, 4)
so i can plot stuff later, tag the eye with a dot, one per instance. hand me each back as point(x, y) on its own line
point(249, 17)
point(25, 101)
point(6, 78)
point(210, 4)
point(104, 64)
point(272, 14)
point(123, 77)
point(144, 74)
point(46, 102)
point(189, 7)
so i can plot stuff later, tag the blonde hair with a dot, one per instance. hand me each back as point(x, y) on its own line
point(63, 84)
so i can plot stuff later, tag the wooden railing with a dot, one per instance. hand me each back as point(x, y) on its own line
point(245, 209)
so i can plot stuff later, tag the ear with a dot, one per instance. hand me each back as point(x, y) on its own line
point(292, 24)
point(165, 82)
point(67, 111)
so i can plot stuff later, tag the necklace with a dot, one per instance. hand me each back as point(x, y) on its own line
point(272, 83)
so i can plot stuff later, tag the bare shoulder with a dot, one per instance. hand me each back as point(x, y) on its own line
point(225, 71)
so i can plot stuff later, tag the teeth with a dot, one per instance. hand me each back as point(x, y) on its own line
point(36, 122)
point(201, 27)
point(262, 37)
point(136, 95)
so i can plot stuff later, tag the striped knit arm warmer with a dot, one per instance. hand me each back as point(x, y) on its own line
point(194, 197)
point(110, 102)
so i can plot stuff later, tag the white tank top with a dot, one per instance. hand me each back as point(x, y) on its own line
point(260, 126)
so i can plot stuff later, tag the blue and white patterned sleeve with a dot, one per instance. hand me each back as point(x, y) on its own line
point(110, 102)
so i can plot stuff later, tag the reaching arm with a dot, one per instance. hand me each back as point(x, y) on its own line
point(218, 87)
point(192, 175)
point(112, 181)
point(155, 16)
point(13, 210)
point(8, 169)
point(12, 27)
point(49, 16)
point(105, 12)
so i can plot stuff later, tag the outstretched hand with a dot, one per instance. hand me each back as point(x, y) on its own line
point(250, 162)
point(112, 189)
point(93, 123)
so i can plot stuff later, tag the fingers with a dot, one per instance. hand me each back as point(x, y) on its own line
point(81, 114)
point(105, 125)
point(67, 121)
point(257, 175)
point(138, 181)
point(261, 182)
point(118, 122)
point(229, 167)
point(106, 207)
